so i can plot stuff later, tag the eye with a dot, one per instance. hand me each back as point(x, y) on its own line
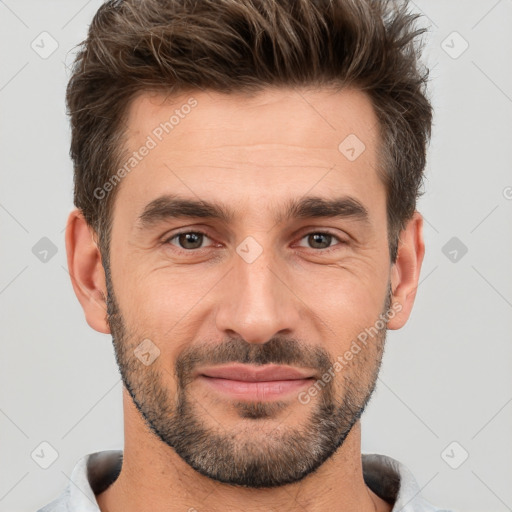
point(188, 240)
point(193, 240)
point(321, 240)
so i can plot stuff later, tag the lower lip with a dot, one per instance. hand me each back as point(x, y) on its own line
point(263, 390)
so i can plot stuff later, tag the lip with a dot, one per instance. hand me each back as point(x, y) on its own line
point(247, 373)
point(246, 382)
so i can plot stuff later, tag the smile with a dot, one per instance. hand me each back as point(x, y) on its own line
point(256, 383)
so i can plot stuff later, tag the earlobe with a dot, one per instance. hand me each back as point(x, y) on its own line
point(86, 271)
point(406, 270)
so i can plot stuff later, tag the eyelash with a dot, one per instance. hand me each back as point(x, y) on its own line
point(199, 232)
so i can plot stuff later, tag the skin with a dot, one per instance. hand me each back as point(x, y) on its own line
point(253, 154)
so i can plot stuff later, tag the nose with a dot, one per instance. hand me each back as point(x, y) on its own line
point(257, 302)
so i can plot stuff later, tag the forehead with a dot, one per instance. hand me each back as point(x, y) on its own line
point(313, 118)
point(282, 142)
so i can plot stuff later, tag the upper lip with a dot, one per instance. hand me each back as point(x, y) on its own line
point(248, 373)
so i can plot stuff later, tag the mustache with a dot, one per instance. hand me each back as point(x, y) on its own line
point(278, 350)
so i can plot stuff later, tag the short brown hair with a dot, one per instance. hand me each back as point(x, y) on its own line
point(172, 46)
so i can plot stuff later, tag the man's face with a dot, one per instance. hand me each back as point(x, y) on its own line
point(259, 285)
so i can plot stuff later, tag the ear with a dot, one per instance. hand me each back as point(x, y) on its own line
point(86, 271)
point(405, 271)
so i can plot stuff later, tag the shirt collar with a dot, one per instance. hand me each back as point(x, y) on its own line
point(94, 472)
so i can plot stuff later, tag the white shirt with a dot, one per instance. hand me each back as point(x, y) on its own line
point(95, 472)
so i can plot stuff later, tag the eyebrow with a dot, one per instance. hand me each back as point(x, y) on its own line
point(174, 207)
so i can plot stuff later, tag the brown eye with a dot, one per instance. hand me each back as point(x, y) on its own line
point(320, 240)
point(189, 240)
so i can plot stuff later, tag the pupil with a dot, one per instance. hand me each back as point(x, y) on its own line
point(316, 237)
point(190, 238)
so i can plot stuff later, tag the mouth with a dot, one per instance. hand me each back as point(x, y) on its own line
point(256, 382)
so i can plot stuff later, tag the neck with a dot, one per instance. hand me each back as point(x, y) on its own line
point(154, 478)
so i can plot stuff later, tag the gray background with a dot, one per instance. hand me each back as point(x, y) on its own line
point(446, 375)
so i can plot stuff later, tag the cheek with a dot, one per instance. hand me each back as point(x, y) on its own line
point(344, 309)
point(160, 306)
point(346, 294)
point(150, 295)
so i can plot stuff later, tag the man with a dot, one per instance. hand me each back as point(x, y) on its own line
point(246, 175)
